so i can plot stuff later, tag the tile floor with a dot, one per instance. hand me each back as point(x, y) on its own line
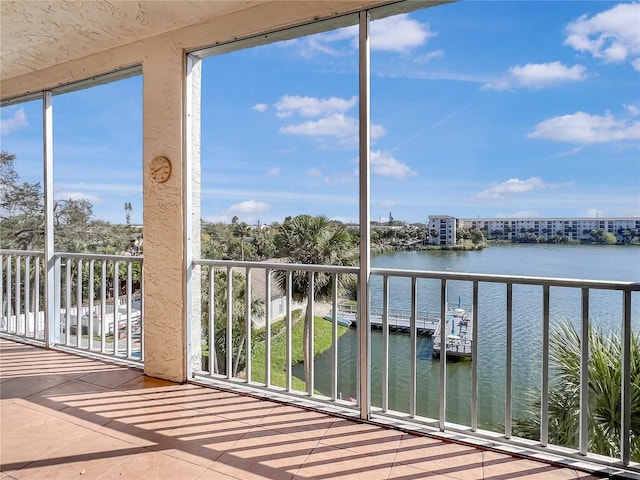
point(64, 417)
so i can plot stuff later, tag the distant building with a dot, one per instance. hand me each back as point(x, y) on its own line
point(510, 228)
point(442, 230)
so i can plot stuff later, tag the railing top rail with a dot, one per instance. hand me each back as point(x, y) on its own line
point(278, 266)
point(22, 253)
point(430, 274)
point(514, 279)
point(90, 256)
point(99, 256)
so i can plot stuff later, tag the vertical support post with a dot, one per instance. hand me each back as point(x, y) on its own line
point(584, 376)
point(191, 218)
point(544, 390)
point(364, 322)
point(52, 317)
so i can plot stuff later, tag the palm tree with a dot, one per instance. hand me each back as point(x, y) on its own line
point(313, 241)
point(604, 393)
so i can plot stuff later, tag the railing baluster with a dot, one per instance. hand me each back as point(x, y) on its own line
point(116, 306)
point(544, 390)
point(129, 311)
point(443, 355)
point(78, 302)
point(334, 337)
point(17, 295)
point(267, 326)
point(103, 307)
point(9, 289)
point(289, 321)
point(311, 346)
point(91, 295)
point(4, 319)
point(508, 369)
point(27, 295)
point(625, 400)
point(584, 376)
point(229, 337)
point(67, 300)
point(385, 343)
point(36, 299)
point(413, 332)
point(249, 323)
point(474, 359)
point(213, 367)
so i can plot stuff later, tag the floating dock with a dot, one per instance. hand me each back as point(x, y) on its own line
point(459, 330)
point(459, 327)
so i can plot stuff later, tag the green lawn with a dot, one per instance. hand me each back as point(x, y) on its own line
point(322, 343)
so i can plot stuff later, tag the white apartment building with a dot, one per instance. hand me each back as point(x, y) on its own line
point(442, 230)
point(509, 228)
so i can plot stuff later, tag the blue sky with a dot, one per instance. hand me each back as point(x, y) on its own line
point(490, 109)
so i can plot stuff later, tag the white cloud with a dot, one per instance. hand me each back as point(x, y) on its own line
point(632, 109)
point(386, 165)
point(260, 107)
point(569, 153)
point(19, 119)
point(76, 196)
point(520, 214)
point(313, 172)
point(335, 125)
point(289, 105)
point(583, 128)
point(273, 172)
point(514, 186)
point(538, 75)
point(399, 33)
point(426, 57)
point(612, 35)
point(248, 206)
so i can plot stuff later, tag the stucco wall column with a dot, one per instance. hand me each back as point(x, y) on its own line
point(164, 226)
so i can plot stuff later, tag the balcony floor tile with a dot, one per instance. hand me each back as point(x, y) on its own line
point(65, 416)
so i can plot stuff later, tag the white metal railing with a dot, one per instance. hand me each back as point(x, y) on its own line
point(97, 304)
point(424, 291)
point(21, 294)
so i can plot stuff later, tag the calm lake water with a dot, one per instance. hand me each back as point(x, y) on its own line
point(564, 261)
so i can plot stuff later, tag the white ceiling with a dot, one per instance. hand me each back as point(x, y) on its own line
point(38, 34)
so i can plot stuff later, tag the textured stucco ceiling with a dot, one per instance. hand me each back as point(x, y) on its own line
point(38, 34)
